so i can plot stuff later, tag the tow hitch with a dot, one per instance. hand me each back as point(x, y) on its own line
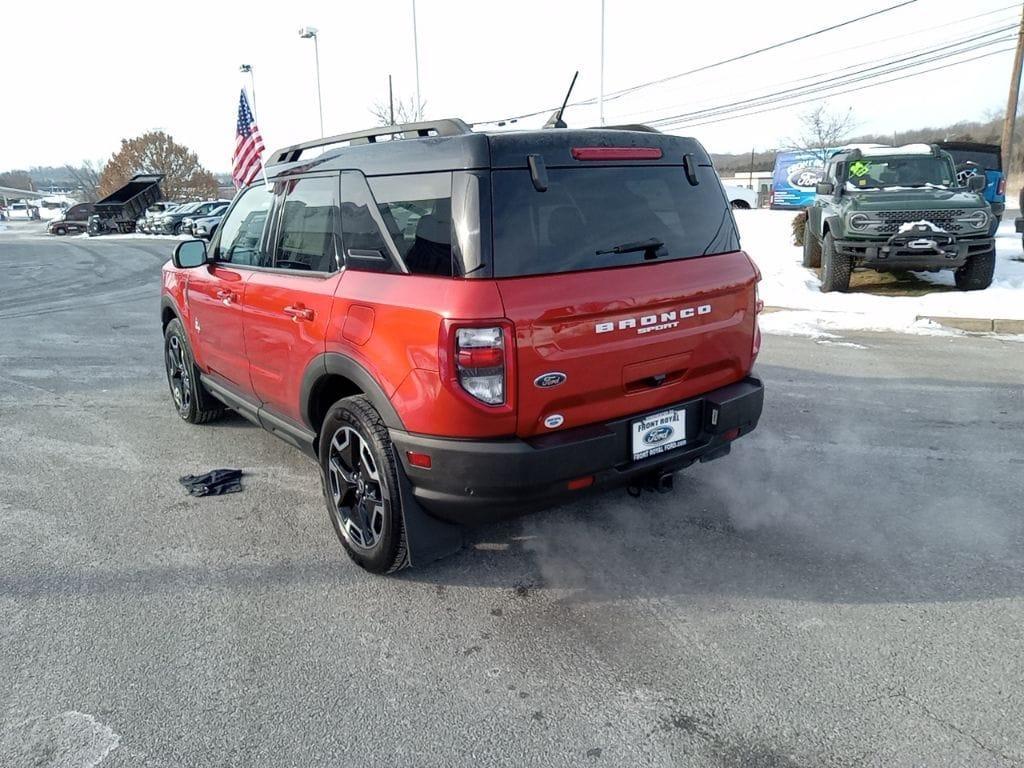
point(662, 482)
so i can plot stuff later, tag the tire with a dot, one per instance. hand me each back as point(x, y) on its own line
point(191, 400)
point(740, 205)
point(176, 230)
point(976, 274)
point(360, 482)
point(812, 250)
point(60, 231)
point(835, 267)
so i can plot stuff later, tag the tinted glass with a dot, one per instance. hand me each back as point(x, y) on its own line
point(308, 235)
point(587, 210)
point(241, 233)
point(417, 211)
point(899, 171)
point(365, 245)
point(990, 161)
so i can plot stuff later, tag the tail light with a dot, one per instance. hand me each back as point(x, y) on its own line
point(480, 363)
point(1001, 187)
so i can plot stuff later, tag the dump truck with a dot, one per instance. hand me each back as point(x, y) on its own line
point(118, 211)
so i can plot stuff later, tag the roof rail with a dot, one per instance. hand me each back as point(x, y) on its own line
point(447, 127)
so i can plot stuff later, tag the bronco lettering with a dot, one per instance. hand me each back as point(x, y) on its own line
point(649, 323)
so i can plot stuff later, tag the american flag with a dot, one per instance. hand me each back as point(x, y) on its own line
point(248, 159)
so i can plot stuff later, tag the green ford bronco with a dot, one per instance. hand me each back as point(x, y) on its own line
point(899, 208)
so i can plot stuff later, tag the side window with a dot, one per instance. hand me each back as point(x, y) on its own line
point(417, 211)
point(365, 246)
point(241, 233)
point(308, 236)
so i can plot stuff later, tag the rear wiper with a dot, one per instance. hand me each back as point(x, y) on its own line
point(649, 246)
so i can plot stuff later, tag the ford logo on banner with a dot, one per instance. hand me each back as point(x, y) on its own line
point(658, 435)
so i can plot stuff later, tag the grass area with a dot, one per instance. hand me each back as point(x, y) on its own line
point(897, 283)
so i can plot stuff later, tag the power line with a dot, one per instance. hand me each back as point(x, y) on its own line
point(689, 124)
point(935, 47)
point(632, 89)
point(740, 57)
point(893, 65)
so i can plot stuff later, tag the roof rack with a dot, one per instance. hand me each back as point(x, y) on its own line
point(447, 127)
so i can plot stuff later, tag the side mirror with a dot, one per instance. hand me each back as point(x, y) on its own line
point(825, 188)
point(977, 183)
point(189, 254)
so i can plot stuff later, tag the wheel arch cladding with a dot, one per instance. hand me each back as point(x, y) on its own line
point(332, 376)
point(168, 312)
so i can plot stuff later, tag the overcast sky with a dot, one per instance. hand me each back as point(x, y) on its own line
point(78, 82)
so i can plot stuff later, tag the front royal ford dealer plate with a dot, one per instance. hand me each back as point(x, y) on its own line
point(658, 433)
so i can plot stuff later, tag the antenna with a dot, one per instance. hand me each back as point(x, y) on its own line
point(556, 121)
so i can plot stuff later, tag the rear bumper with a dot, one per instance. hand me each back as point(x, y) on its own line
point(474, 481)
point(946, 253)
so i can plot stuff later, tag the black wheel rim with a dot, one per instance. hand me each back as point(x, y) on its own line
point(178, 374)
point(357, 493)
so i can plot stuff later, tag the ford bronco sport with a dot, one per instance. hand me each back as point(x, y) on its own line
point(887, 208)
point(460, 326)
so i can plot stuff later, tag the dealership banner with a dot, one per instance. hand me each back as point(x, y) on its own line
point(794, 179)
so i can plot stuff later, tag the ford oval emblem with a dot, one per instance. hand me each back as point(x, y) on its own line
point(658, 435)
point(548, 380)
point(554, 421)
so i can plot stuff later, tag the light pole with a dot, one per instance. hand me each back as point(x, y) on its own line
point(416, 55)
point(247, 68)
point(306, 33)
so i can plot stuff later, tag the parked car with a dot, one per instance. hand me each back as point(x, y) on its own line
point(173, 222)
point(886, 208)
point(973, 158)
point(22, 211)
point(740, 197)
point(205, 226)
point(499, 322)
point(74, 220)
point(153, 212)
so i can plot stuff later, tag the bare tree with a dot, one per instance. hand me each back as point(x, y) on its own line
point(86, 178)
point(822, 130)
point(156, 152)
point(406, 111)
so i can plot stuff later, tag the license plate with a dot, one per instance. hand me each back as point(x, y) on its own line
point(658, 433)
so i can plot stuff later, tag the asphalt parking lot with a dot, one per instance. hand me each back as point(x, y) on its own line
point(846, 589)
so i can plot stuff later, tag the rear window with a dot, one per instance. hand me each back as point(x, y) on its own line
point(587, 212)
point(990, 161)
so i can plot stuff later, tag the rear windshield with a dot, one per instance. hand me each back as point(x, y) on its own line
point(990, 161)
point(586, 213)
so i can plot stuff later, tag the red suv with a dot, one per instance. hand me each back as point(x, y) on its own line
point(460, 326)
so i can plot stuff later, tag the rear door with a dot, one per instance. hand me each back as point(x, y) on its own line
point(288, 306)
point(626, 287)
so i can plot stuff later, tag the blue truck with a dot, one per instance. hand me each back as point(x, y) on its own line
point(972, 158)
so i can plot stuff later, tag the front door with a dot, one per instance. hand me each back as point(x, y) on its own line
point(288, 308)
point(216, 293)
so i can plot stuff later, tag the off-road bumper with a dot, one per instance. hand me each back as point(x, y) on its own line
point(472, 481)
point(915, 250)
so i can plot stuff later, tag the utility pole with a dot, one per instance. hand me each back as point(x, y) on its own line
point(600, 96)
point(750, 179)
point(391, 101)
point(1011, 101)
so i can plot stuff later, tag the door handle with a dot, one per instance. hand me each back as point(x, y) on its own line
point(298, 312)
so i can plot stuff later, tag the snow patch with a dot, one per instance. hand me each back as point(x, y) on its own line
point(68, 740)
point(767, 236)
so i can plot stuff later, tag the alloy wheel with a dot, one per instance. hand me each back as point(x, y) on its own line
point(178, 374)
point(356, 489)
